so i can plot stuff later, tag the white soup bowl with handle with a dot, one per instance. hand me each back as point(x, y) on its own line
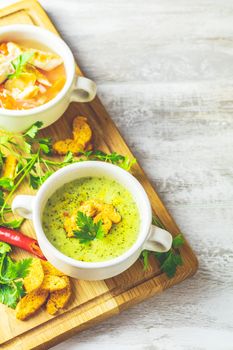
point(149, 236)
point(76, 88)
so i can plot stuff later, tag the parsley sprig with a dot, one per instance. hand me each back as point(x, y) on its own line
point(113, 158)
point(88, 230)
point(35, 164)
point(12, 274)
point(170, 260)
point(31, 153)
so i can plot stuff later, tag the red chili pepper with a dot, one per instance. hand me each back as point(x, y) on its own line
point(18, 239)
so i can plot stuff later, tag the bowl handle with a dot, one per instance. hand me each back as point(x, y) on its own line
point(159, 240)
point(22, 205)
point(84, 90)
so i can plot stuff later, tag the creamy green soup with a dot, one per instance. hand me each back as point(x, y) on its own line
point(68, 198)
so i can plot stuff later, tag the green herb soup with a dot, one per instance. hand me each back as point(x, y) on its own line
point(69, 197)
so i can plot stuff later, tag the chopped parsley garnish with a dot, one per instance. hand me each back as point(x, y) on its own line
point(88, 230)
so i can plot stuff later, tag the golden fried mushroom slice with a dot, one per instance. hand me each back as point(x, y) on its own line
point(52, 283)
point(35, 277)
point(106, 222)
point(59, 299)
point(68, 145)
point(70, 223)
point(111, 213)
point(108, 209)
point(82, 134)
point(81, 130)
point(30, 303)
point(96, 209)
point(49, 269)
point(88, 208)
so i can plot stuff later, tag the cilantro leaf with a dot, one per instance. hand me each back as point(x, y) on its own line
point(87, 229)
point(1, 160)
point(4, 248)
point(68, 158)
point(99, 230)
point(113, 158)
point(145, 256)
point(13, 223)
point(83, 236)
point(178, 241)
point(127, 163)
point(4, 139)
point(11, 278)
point(6, 183)
point(11, 293)
point(18, 269)
point(33, 130)
point(45, 145)
point(169, 262)
point(36, 181)
point(2, 200)
point(27, 147)
point(19, 63)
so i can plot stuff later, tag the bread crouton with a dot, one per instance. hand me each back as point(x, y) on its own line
point(59, 299)
point(30, 303)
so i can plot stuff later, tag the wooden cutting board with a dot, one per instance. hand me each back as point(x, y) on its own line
point(92, 301)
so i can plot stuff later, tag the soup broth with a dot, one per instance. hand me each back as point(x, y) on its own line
point(69, 197)
point(29, 76)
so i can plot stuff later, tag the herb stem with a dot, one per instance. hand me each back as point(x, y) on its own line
point(28, 168)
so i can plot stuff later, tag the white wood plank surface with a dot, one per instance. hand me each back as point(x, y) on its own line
point(164, 71)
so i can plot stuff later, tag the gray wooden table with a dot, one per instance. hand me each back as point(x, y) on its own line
point(164, 71)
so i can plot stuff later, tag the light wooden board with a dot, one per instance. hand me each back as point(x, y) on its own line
point(94, 301)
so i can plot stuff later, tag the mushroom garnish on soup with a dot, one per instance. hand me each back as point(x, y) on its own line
point(28, 77)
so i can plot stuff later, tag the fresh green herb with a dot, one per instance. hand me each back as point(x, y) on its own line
point(13, 223)
point(145, 256)
point(156, 221)
point(178, 241)
point(35, 166)
point(33, 130)
point(87, 229)
point(11, 276)
point(4, 248)
point(113, 158)
point(170, 260)
point(36, 181)
point(1, 160)
point(45, 145)
point(6, 183)
point(19, 63)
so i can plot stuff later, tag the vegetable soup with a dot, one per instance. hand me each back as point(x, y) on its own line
point(29, 77)
point(92, 219)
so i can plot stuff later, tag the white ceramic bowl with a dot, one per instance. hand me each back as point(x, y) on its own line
point(150, 237)
point(76, 88)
